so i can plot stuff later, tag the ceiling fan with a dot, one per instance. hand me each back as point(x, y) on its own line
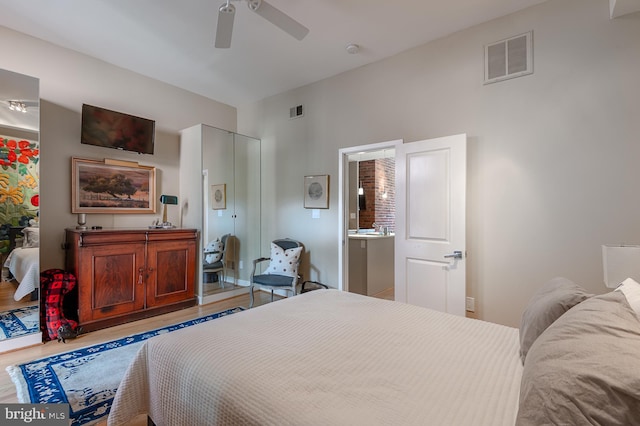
point(275, 16)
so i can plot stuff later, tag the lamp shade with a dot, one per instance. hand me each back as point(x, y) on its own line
point(620, 262)
point(168, 199)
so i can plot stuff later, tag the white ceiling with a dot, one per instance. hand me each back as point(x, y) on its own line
point(172, 40)
point(18, 87)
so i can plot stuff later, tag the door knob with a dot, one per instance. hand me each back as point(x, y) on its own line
point(456, 255)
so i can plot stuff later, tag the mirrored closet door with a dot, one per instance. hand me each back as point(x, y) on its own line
point(19, 210)
point(223, 201)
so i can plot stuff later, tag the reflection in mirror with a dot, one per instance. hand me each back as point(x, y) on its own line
point(372, 191)
point(19, 210)
point(231, 216)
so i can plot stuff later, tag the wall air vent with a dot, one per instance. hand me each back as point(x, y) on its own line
point(509, 58)
point(296, 111)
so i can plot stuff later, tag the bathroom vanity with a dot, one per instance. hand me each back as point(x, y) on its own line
point(371, 267)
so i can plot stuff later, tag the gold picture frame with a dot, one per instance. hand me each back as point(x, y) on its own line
point(112, 187)
point(219, 196)
point(316, 192)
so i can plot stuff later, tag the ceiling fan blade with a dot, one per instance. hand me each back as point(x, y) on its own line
point(225, 26)
point(279, 19)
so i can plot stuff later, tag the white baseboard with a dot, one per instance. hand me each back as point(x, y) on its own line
point(222, 296)
point(21, 342)
point(236, 292)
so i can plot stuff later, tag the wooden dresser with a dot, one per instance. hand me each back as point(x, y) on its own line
point(128, 274)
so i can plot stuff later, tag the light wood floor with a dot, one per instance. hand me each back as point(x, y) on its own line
point(387, 294)
point(7, 388)
point(7, 289)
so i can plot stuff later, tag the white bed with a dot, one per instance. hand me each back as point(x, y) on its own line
point(333, 358)
point(327, 358)
point(24, 265)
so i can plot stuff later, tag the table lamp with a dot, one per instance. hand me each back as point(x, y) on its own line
point(620, 262)
point(167, 199)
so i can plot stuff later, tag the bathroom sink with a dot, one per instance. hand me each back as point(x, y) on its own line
point(370, 235)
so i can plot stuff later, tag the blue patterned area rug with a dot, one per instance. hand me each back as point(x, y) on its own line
point(18, 322)
point(86, 378)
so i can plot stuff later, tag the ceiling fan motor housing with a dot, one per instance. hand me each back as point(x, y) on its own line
point(227, 8)
point(254, 4)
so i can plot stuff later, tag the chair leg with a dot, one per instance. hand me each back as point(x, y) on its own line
point(251, 296)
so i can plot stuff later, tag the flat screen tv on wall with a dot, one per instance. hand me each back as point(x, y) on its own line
point(111, 129)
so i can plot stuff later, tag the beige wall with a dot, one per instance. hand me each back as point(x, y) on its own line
point(69, 79)
point(552, 157)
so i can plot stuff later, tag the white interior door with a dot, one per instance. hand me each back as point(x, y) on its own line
point(430, 223)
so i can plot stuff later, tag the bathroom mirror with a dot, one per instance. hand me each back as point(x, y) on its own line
point(372, 191)
point(19, 210)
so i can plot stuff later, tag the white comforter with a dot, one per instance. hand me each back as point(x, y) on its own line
point(327, 358)
point(24, 265)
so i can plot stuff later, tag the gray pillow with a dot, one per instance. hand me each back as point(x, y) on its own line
point(584, 369)
point(547, 305)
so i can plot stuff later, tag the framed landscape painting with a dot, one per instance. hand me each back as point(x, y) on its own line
point(112, 186)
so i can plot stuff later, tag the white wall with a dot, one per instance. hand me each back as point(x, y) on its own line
point(69, 79)
point(552, 158)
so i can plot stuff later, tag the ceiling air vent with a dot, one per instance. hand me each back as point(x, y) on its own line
point(508, 58)
point(296, 111)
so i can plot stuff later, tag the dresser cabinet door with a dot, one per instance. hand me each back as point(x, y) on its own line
point(171, 269)
point(114, 278)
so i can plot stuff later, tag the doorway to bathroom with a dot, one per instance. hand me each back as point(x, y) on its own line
point(367, 219)
point(429, 234)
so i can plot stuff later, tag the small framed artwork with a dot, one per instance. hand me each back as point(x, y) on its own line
point(219, 196)
point(112, 186)
point(316, 192)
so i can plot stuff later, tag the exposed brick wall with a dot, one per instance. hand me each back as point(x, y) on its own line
point(367, 178)
point(378, 177)
point(385, 184)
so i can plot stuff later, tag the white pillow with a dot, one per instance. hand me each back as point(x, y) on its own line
point(213, 246)
point(631, 290)
point(284, 262)
point(31, 237)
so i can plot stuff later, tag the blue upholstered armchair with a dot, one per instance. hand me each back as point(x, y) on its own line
point(221, 257)
point(282, 272)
